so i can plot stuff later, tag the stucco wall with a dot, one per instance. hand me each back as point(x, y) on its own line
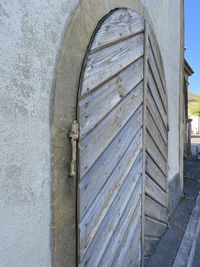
point(30, 37)
point(31, 34)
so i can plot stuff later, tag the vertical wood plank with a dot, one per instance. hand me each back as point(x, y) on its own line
point(144, 139)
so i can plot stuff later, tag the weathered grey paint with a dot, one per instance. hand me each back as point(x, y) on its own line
point(31, 38)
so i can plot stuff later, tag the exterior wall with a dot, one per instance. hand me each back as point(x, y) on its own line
point(31, 37)
point(195, 124)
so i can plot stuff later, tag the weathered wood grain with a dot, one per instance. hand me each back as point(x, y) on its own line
point(155, 154)
point(156, 96)
point(130, 215)
point(95, 106)
point(152, 108)
point(104, 64)
point(92, 183)
point(150, 245)
point(130, 243)
point(110, 222)
point(102, 203)
point(155, 210)
point(104, 133)
point(154, 228)
point(154, 172)
point(146, 52)
point(120, 24)
point(156, 198)
point(135, 259)
point(157, 78)
point(155, 135)
point(155, 192)
point(157, 55)
point(113, 101)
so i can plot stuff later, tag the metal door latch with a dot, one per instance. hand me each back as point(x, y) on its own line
point(74, 134)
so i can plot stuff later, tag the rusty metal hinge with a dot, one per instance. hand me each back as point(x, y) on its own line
point(74, 135)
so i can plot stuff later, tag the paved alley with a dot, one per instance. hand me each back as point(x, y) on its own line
point(166, 252)
point(192, 171)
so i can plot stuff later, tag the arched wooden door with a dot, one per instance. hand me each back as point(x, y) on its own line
point(112, 149)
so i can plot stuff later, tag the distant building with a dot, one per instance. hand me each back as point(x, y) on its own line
point(192, 100)
point(186, 120)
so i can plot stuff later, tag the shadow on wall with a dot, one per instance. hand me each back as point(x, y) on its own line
point(175, 192)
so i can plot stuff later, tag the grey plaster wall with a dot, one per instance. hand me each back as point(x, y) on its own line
point(30, 38)
point(31, 34)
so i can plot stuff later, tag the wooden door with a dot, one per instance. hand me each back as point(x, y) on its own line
point(110, 146)
point(114, 143)
point(156, 147)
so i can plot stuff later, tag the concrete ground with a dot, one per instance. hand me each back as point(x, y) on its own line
point(167, 249)
point(192, 171)
point(196, 262)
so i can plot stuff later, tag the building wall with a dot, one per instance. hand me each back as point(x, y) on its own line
point(195, 119)
point(31, 39)
point(195, 124)
point(31, 34)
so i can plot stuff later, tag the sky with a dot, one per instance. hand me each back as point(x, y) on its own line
point(192, 41)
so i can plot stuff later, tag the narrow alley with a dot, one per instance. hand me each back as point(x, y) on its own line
point(183, 222)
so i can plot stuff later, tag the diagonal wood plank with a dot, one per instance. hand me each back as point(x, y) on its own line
point(157, 55)
point(101, 205)
point(152, 108)
point(157, 78)
point(91, 183)
point(119, 25)
point(95, 106)
point(155, 192)
point(154, 228)
point(130, 243)
point(155, 93)
point(155, 210)
point(154, 172)
point(130, 215)
point(150, 245)
point(106, 63)
point(110, 222)
point(104, 133)
point(133, 256)
point(155, 154)
point(155, 135)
